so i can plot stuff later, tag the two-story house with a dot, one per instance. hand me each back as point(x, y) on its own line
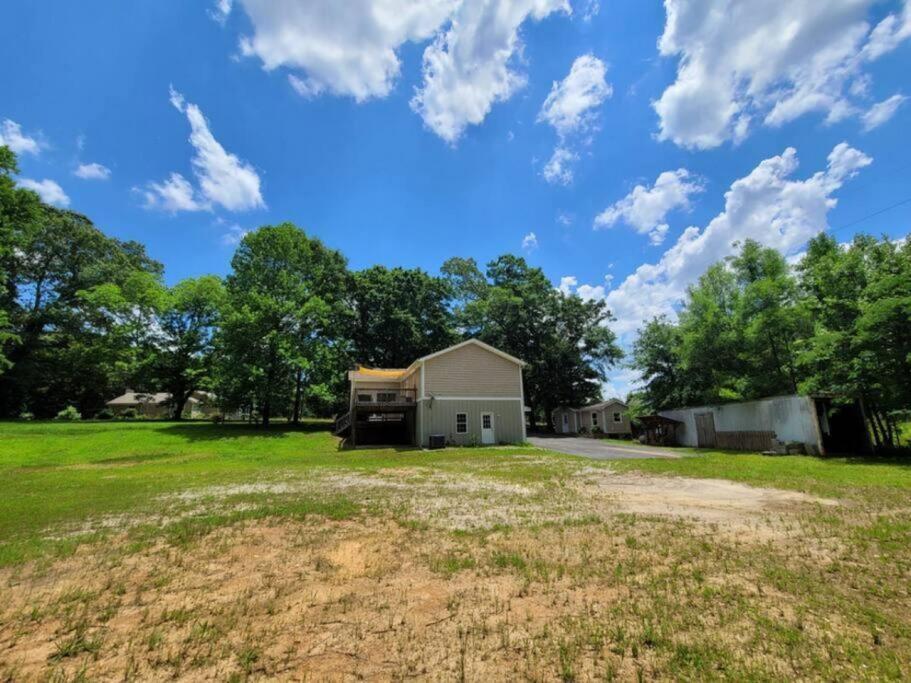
point(470, 393)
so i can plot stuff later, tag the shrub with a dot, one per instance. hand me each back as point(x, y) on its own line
point(104, 414)
point(128, 414)
point(218, 419)
point(597, 431)
point(26, 415)
point(69, 413)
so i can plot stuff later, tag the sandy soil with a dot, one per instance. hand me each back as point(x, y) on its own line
point(374, 598)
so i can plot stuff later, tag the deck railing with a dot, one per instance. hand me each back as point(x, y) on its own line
point(343, 423)
point(374, 397)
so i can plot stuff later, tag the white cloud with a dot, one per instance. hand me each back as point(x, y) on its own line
point(221, 10)
point(565, 219)
point(769, 61)
point(173, 195)
point(567, 284)
point(530, 241)
point(49, 191)
point(351, 48)
point(590, 9)
point(346, 48)
point(889, 33)
point(767, 205)
point(881, 112)
point(233, 235)
point(571, 109)
point(11, 136)
point(224, 180)
point(573, 102)
point(92, 171)
point(469, 66)
point(558, 169)
point(646, 208)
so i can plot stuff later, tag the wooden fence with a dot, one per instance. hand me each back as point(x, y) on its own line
point(745, 441)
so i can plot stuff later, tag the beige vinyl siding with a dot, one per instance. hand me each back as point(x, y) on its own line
point(471, 371)
point(439, 417)
point(611, 427)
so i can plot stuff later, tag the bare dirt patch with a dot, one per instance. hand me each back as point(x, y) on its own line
point(595, 575)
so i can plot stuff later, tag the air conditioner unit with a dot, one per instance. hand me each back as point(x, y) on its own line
point(437, 440)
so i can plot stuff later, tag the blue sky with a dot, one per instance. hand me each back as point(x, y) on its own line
point(404, 133)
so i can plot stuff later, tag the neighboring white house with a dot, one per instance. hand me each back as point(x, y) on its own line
point(610, 417)
point(158, 404)
point(469, 393)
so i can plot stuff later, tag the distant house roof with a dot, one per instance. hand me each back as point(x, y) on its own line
point(136, 398)
point(597, 406)
point(145, 398)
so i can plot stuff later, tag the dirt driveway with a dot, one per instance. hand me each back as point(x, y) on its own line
point(598, 450)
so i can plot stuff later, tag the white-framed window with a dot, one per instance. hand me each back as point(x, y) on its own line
point(365, 398)
point(594, 419)
point(486, 421)
point(461, 423)
point(385, 397)
point(618, 417)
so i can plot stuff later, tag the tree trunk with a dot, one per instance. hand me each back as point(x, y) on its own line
point(267, 409)
point(296, 413)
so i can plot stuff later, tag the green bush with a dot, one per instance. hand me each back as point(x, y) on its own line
point(69, 413)
point(26, 415)
point(105, 414)
point(128, 414)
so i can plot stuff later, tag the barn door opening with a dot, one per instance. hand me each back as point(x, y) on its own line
point(705, 430)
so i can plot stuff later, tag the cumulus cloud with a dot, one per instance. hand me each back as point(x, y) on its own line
point(11, 136)
point(470, 66)
point(346, 48)
point(573, 102)
point(93, 171)
point(224, 180)
point(530, 241)
point(49, 191)
point(766, 205)
point(567, 284)
point(767, 60)
point(220, 10)
point(881, 112)
point(352, 49)
point(646, 208)
point(558, 169)
point(571, 108)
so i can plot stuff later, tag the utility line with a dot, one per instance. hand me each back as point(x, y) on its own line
point(871, 215)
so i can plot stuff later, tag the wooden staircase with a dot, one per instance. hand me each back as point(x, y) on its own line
point(343, 424)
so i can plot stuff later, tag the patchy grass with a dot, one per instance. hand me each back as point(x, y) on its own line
point(155, 550)
point(822, 476)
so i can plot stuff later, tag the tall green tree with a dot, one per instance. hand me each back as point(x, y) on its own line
point(565, 341)
point(188, 318)
point(55, 362)
point(770, 319)
point(860, 300)
point(400, 315)
point(286, 305)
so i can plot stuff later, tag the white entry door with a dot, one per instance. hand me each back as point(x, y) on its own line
point(487, 429)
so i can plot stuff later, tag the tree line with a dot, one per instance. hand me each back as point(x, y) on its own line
point(837, 322)
point(84, 316)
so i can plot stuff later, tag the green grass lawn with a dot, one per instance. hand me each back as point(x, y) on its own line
point(63, 473)
point(167, 550)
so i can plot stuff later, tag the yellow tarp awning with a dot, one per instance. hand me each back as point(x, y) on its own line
point(378, 372)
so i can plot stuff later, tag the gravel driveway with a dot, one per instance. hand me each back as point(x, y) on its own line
point(597, 449)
